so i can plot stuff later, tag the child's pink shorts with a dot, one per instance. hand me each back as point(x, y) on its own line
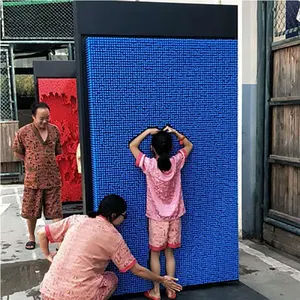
point(164, 234)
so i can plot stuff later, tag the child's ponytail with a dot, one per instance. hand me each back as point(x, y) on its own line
point(163, 162)
point(162, 144)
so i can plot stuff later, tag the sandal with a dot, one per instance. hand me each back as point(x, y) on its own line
point(147, 295)
point(30, 245)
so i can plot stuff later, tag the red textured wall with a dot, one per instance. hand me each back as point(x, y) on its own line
point(61, 96)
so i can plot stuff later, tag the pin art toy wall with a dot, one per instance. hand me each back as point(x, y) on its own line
point(150, 64)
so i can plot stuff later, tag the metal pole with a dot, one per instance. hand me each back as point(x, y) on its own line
point(49, 56)
point(9, 174)
point(8, 67)
point(13, 83)
point(267, 84)
point(283, 226)
point(63, 42)
point(83, 121)
point(2, 20)
point(70, 52)
point(261, 63)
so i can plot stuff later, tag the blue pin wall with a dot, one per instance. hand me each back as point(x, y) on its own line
point(134, 83)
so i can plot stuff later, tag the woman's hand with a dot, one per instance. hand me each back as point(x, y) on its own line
point(50, 256)
point(153, 131)
point(170, 284)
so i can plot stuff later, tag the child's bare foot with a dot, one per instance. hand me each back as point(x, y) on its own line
point(152, 295)
point(171, 294)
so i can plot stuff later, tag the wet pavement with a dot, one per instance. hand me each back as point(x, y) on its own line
point(264, 273)
point(21, 280)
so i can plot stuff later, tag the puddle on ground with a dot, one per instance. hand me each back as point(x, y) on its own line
point(244, 270)
point(5, 246)
point(21, 280)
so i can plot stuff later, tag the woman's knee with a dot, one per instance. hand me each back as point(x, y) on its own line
point(109, 285)
point(112, 278)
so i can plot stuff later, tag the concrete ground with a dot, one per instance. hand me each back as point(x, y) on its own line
point(264, 272)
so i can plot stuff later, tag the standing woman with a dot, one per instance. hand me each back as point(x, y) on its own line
point(77, 271)
point(38, 144)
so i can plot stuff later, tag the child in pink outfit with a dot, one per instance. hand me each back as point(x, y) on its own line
point(165, 205)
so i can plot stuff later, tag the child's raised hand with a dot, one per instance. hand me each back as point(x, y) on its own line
point(169, 129)
point(153, 131)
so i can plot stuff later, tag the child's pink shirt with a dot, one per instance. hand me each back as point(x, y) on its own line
point(88, 246)
point(164, 192)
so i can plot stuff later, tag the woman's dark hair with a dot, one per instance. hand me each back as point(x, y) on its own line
point(162, 144)
point(36, 106)
point(109, 206)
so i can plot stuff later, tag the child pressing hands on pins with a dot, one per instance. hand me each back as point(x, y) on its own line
point(165, 205)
